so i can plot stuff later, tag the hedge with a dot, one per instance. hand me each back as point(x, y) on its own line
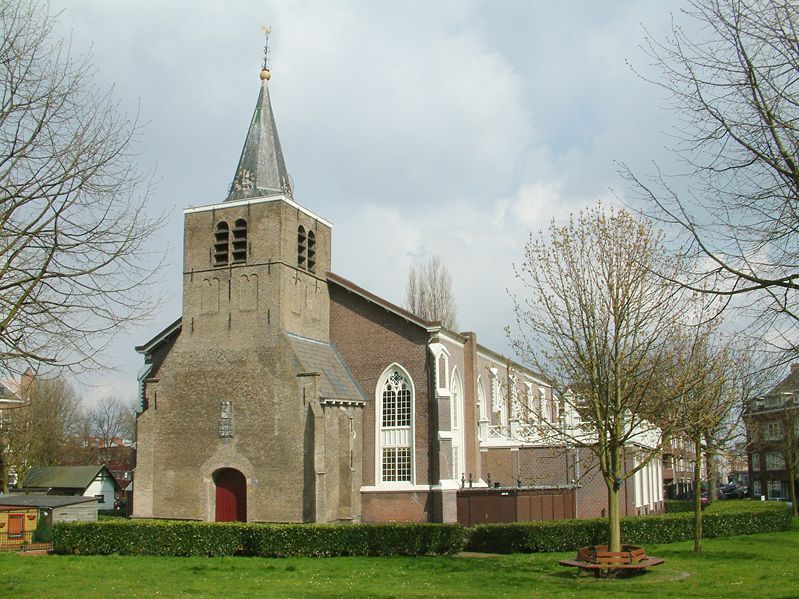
point(566, 535)
point(675, 506)
point(148, 537)
point(175, 538)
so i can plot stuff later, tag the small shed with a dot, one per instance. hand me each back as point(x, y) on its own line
point(90, 481)
point(20, 514)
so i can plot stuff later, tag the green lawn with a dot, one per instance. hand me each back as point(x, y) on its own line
point(757, 565)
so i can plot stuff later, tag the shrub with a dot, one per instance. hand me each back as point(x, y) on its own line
point(147, 537)
point(43, 532)
point(131, 537)
point(674, 506)
point(565, 535)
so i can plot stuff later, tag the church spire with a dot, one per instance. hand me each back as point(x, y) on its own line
point(261, 170)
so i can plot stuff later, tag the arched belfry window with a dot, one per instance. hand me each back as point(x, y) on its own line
point(240, 241)
point(221, 244)
point(395, 395)
point(302, 247)
point(311, 251)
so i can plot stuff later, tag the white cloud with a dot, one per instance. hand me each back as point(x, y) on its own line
point(452, 128)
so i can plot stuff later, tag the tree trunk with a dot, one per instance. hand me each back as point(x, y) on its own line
point(698, 499)
point(790, 466)
point(712, 483)
point(614, 519)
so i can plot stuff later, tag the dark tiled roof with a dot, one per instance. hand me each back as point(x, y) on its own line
point(62, 477)
point(42, 501)
point(375, 299)
point(789, 383)
point(335, 380)
point(6, 393)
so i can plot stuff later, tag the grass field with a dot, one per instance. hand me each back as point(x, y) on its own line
point(757, 565)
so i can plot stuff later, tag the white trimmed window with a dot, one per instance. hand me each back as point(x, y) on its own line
point(542, 401)
point(773, 431)
point(515, 406)
point(529, 408)
point(481, 400)
point(756, 462)
point(775, 489)
point(495, 400)
point(395, 423)
point(756, 487)
point(775, 461)
point(442, 370)
point(456, 403)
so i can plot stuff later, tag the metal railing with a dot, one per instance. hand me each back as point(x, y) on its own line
point(22, 542)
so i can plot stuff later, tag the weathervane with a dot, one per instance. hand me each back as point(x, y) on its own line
point(266, 30)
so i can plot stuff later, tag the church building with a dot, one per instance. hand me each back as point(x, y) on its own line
point(287, 393)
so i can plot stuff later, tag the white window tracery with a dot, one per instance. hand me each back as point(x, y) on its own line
point(395, 422)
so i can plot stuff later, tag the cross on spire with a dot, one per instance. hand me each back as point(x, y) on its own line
point(266, 30)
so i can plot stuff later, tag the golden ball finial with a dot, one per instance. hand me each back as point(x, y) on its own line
point(265, 75)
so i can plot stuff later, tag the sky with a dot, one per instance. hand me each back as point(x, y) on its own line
point(416, 128)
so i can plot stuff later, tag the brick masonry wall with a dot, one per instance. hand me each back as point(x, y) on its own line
point(405, 506)
point(231, 348)
point(371, 339)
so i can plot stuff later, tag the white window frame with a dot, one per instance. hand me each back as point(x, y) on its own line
point(442, 353)
point(775, 461)
point(773, 430)
point(481, 400)
point(515, 406)
point(496, 404)
point(775, 483)
point(381, 382)
point(529, 401)
point(456, 425)
point(542, 400)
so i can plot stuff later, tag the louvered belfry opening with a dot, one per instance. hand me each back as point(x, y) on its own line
point(240, 241)
point(311, 251)
point(302, 241)
point(221, 244)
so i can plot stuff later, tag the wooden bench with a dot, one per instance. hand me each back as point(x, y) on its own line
point(601, 561)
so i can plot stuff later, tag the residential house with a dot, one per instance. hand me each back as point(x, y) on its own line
point(772, 431)
point(87, 481)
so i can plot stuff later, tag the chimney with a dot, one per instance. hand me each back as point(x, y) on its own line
point(794, 368)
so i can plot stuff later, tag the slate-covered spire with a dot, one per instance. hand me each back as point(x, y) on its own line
point(261, 170)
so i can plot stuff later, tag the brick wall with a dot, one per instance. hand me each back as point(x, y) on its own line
point(232, 347)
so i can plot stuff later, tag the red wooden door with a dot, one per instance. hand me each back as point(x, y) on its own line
point(231, 496)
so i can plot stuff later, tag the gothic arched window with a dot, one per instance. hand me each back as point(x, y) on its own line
point(395, 396)
point(456, 403)
point(302, 247)
point(240, 241)
point(221, 244)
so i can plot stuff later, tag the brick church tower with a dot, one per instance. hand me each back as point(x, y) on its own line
point(249, 413)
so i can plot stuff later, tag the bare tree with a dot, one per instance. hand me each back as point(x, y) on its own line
point(73, 260)
point(110, 423)
point(715, 377)
point(39, 431)
point(736, 91)
point(596, 320)
point(429, 293)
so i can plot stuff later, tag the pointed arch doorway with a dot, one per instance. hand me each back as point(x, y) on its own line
point(231, 495)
